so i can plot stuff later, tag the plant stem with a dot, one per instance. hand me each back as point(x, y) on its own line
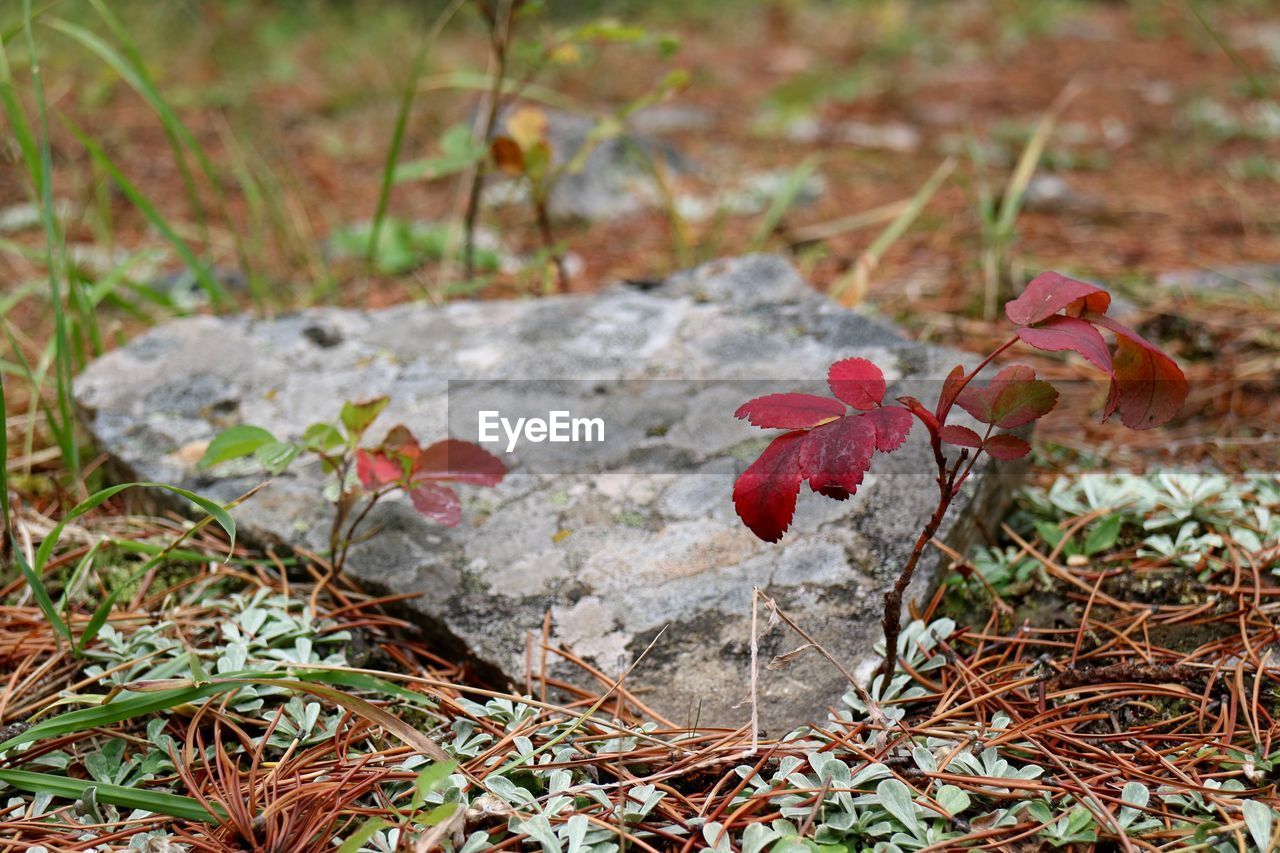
point(892, 620)
point(549, 243)
point(948, 483)
point(341, 561)
point(499, 41)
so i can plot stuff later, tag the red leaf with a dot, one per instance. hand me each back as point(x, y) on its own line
point(376, 470)
point(765, 494)
point(1006, 447)
point(838, 454)
point(438, 503)
point(858, 382)
point(1068, 333)
point(961, 436)
point(1049, 293)
point(790, 411)
point(1147, 387)
point(892, 424)
point(950, 388)
point(460, 461)
point(1012, 399)
point(835, 493)
point(400, 440)
point(926, 417)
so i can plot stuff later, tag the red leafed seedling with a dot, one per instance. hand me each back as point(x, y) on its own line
point(830, 441)
point(365, 475)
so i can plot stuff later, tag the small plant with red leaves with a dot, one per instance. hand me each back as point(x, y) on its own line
point(366, 475)
point(830, 441)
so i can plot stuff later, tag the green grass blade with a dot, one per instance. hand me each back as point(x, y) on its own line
point(217, 294)
point(65, 787)
point(1016, 190)
point(402, 121)
point(852, 287)
point(371, 683)
point(118, 710)
point(135, 75)
point(218, 513)
point(38, 158)
point(40, 592)
point(16, 30)
point(177, 132)
point(97, 620)
point(4, 454)
point(782, 202)
point(166, 695)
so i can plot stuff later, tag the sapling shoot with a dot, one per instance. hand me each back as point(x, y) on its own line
point(830, 441)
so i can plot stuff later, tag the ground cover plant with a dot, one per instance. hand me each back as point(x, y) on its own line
point(1098, 672)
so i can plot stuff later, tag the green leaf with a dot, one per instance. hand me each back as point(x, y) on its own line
point(1135, 794)
point(322, 438)
point(358, 416)
point(235, 443)
point(430, 779)
point(356, 840)
point(1258, 818)
point(458, 152)
point(953, 799)
point(439, 814)
point(118, 795)
point(1103, 535)
point(896, 799)
point(276, 456)
point(1051, 533)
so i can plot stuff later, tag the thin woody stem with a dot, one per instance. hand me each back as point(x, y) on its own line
point(499, 42)
point(892, 620)
point(948, 482)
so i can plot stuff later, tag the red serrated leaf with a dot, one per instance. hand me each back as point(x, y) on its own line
point(765, 494)
point(838, 454)
point(1012, 399)
point(376, 470)
point(459, 461)
point(438, 503)
point(790, 411)
point(1049, 293)
point(1006, 447)
point(950, 388)
point(961, 436)
point(858, 382)
point(1148, 388)
point(1057, 334)
point(893, 424)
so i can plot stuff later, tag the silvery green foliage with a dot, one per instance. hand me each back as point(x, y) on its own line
point(916, 647)
point(260, 631)
point(1182, 515)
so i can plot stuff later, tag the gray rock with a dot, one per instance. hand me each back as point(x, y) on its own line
point(27, 216)
point(613, 182)
point(1261, 280)
point(618, 542)
point(892, 136)
point(1051, 193)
